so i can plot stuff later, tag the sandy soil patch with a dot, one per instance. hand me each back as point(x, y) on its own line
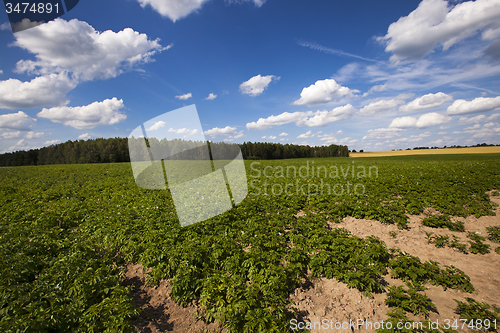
point(159, 312)
point(333, 300)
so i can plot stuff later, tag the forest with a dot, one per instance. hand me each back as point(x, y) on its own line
point(114, 150)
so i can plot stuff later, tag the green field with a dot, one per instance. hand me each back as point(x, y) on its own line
point(66, 232)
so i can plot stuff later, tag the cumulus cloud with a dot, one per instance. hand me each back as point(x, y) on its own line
point(87, 117)
point(414, 138)
point(82, 51)
point(478, 119)
point(257, 84)
point(434, 22)
point(270, 137)
point(323, 118)
point(425, 120)
point(46, 90)
point(480, 104)
point(34, 135)
point(332, 138)
point(84, 136)
point(186, 131)
point(377, 88)
point(16, 121)
point(20, 145)
point(211, 96)
point(159, 124)
point(382, 133)
point(428, 101)
point(173, 9)
point(52, 142)
point(11, 135)
point(488, 131)
point(381, 105)
point(26, 23)
point(184, 97)
point(284, 134)
point(307, 135)
point(216, 131)
point(281, 119)
point(323, 91)
point(307, 118)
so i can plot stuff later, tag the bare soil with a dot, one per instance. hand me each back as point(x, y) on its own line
point(159, 312)
point(332, 300)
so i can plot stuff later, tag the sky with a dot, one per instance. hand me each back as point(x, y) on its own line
point(373, 75)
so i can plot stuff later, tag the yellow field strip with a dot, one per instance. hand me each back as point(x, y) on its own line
point(469, 150)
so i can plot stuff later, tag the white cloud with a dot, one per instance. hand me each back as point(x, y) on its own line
point(83, 51)
point(211, 96)
point(257, 84)
point(156, 126)
point(330, 137)
point(16, 121)
point(20, 145)
point(284, 134)
point(323, 91)
point(377, 88)
point(477, 119)
point(52, 142)
point(426, 102)
point(489, 131)
point(237, 135)
point(270, 137)
point(46, 90)
point(281, 119)
point(323, 118)
point(306, 135)
point(382, 134)
point(186, 131)
point(25, 23)
point(414, 138)
point(306, 118)
point(174, 9)
point(480, 104)
point(84, 136)
point(89, 116)
point(257, 3)
point(381, 105)
point(11, 135)
point(425, 120)
point(216, 131)
point(435, 22)
point(184, 97)
point(34, 135)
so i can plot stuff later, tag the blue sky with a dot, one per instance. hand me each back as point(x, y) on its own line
point(374, 75)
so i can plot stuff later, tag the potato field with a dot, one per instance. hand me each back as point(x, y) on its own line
point(68, 232)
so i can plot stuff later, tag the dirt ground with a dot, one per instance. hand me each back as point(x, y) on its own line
point(333, 300)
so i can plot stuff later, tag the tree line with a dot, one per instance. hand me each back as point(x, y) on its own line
point(114, 150)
